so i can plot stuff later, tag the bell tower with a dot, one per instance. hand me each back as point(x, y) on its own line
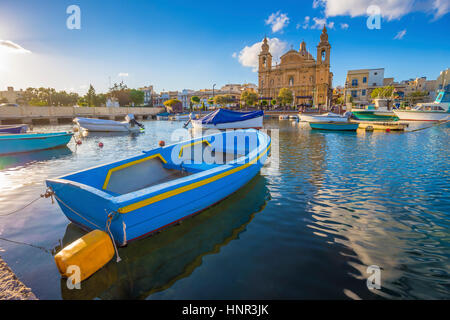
point(324, 48)
point(264, 67)
point(265, 58)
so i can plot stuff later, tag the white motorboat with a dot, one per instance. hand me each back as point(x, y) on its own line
point(326, 117)
point(439, 110)
point(100, 125)
point(228, 119)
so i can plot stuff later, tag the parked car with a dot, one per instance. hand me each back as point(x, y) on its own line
point(8, 105)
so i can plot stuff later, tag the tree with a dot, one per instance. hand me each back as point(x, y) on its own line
point(273, 102)
point(285, 96)
point(223, 99)
point(137, 97)
point(121, 93)
point(90, 96)
point(173, 105)
point(386, 93)
point(100, 100)
point(264, 103)
point(82, 102)
point(249, 97)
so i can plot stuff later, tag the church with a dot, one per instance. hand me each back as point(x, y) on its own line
point(309, 80)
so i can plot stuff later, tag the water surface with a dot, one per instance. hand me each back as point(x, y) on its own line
point(307, 227)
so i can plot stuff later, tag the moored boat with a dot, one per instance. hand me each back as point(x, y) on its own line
point(439, 110)
point(16, 128)
point(138, 196)
point(228, 119)
point(371, 113)
point(100, 125)
point(326, 117)
point(334, 126)
point(17, 143)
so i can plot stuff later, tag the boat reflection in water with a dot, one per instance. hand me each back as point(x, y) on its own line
point(154, 264)
point(22, 159)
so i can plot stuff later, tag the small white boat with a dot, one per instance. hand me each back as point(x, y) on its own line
point(182, 116)
point(100, 125)
point(283, 117)
point(326, 117)
point(228, 119)
point(439, 110)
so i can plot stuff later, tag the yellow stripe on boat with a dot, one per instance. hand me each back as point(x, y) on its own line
point(171, 193)
point(190, 145)
point(129, 164)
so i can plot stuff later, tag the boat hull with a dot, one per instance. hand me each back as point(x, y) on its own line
point(322, 118)
point(412, 115)
point(18, 143)
point(98, 125)
point(255, 123)
point(144, 211)
point(336, 126)
point(366, 115)
point(22, 128)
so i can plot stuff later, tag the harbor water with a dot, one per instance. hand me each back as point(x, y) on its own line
point(329, 206)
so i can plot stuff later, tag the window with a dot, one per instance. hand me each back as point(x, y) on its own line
point(354, 82)
point(323, 55)
point(364, 79)
point(363, 92)
point(291, 81)
point(354, 93)
point(264, 62)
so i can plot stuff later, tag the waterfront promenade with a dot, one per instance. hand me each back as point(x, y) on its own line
point(55, 115)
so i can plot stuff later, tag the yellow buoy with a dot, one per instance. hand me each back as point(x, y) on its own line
point(87, 254)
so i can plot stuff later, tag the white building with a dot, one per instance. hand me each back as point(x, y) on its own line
point(148, 94)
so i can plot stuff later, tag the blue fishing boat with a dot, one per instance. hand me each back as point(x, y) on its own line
point(16, 128)
point(16, 143)
point(334, 126)
point(141, 195)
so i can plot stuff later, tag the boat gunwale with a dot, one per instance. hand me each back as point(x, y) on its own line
point(31, 136)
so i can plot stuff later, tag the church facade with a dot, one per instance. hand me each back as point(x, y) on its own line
point(309, 80)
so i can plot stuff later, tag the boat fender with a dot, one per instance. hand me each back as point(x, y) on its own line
point(100, 144)
point(162, 143)
point(79, 142)
point(89, 253)
point(388, 130)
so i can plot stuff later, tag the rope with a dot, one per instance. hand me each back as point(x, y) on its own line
point(68, 207)
point(48, 193)
point(50, 251)
point(108, 224)
point(434, 125)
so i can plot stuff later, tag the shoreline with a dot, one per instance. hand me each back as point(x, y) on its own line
point(11, 288)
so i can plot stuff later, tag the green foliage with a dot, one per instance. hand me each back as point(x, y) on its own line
point(249, 97)
point(171, 102)
point(223, 100)
point(195, 99)
point(273, 102)
point(121, 93)
point(264, 103)
point(90, 96)
point(137, 97)
point(386, 92)
point(285, 96)
point(47, 97)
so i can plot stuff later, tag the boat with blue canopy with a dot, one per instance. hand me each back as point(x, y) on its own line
point(141, 195)
point(229, 119)
point(17, 143)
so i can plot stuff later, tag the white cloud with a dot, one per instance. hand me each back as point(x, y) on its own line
point(440, 8)
point(12, 47)
point(390, 9)
point(248, 56)
point(320, 22)
point(344, 26)
point(305, 23)
point(122, 74)
point(278, 21)
point(400, 34)
point(234, 55)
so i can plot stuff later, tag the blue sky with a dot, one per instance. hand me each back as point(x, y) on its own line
point(179, 44)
